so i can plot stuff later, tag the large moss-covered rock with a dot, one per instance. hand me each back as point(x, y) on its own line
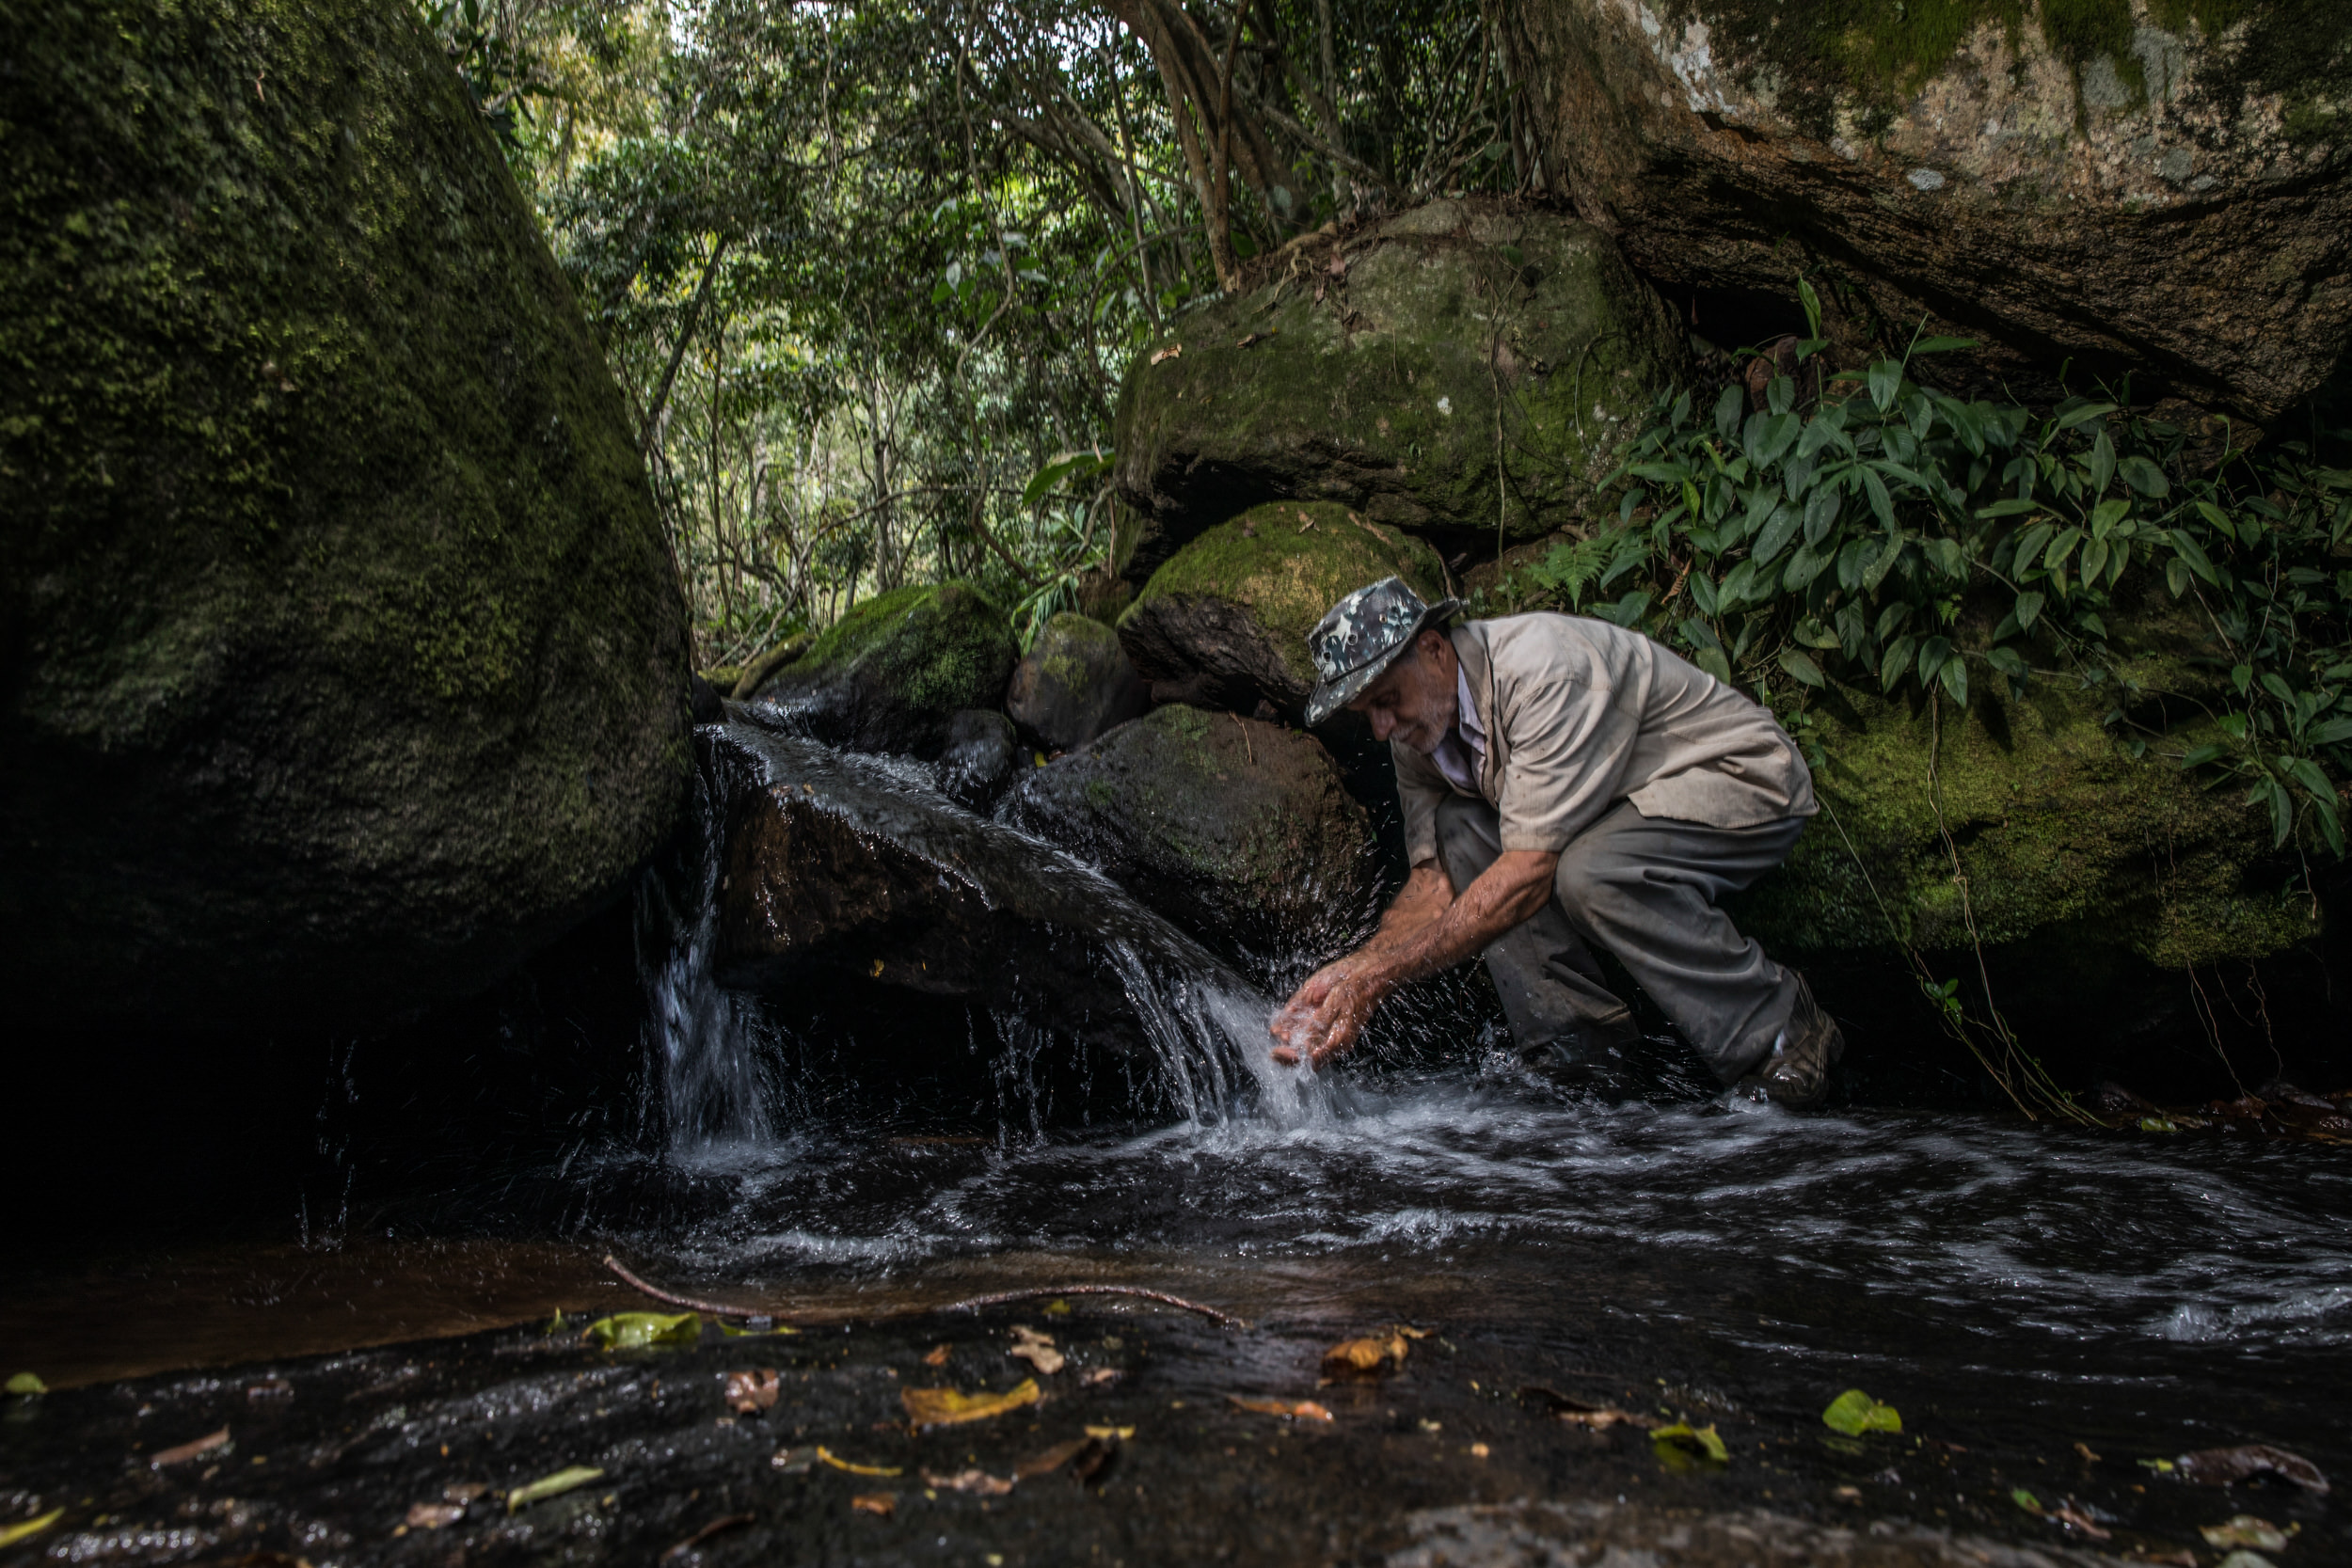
point(342, 664)
point(891, 675)
point(1464, 367)
point(2061, 837)
point(1225, 621)
point(2164, 189)
point(1240, 832)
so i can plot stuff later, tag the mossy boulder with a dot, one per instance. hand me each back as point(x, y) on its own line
point(2028, 819)
point(890, 674)
point(1074, 684)
point(343, 664)
point(1463, 368)
point(982, 758)
point(2162, 189)
point(1237, 830)
point(1225, 621)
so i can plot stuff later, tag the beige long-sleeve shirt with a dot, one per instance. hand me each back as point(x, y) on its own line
point(1578, 714)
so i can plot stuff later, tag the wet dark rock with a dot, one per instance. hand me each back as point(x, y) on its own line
point(345, 666)
point(982, 758)
point(2164, 193)
point(889, 675)
point(1393, 374)
point(849, 873)
point(1224, 623)
point(1073, 685)
point(1238, 830)
point(709, 706)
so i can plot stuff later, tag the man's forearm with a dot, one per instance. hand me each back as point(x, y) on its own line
point(1512, 889)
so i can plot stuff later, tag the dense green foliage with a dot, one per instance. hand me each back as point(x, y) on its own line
point(868, 274)
point(1903, 540)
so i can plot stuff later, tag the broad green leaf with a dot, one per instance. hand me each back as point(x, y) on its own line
point(1777, 533)
point(1881, 503)
point(1727, 411)
point(1854, 1413)
point(2095, 560)
point(1781, 396)
point(1769, 436)
point(2030, 544)
point(2028, 605)
point(1714, 663)
point(2276, 687)
point(2194, 554)
point(1703, 593)
point(2307, 773)
point(1876, 573)
point(2073, 417)
point(636, 1330)
point(1896, 663)
point(2269, 791)
point(2009, 508)
point(1824, 431)
point(1932, 653)
point(1812, 303)
point(1821, 513)
point(2199, 757)
point(1800, 667)
point(2176, 577)
point(1942, 345)
point(568, 1479)
point(2144, 476)
point(2108, 512)
point(1886, 379)
point(1698, 633)
point(1736, 586)
point(2334, 732)
point(1810, 632)
point(2008, 661)
point(1803, 566)
point(27, 1385)
point(2331, 825)
point(2061, 547)
point(1955, 677)
point(2102, 462)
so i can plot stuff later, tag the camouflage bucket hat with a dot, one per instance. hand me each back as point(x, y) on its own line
point(1361, 636)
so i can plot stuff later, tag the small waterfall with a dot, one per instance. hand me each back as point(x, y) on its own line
point(1208, 1030)
point(714, 1051)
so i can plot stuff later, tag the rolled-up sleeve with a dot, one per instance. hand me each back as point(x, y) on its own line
point(1570, 746)
point(1419, 788)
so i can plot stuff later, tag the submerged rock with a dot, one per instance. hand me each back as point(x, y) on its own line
point(2165, 192)
point(1224, 623)
point(1240, 832)
point(982, 758)
point(846, 872)
point(888, 675)
point(1073, 685)
point(343, 664)
point(1393, 374)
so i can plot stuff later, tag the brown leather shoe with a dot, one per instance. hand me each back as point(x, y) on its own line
point(1796, 1074)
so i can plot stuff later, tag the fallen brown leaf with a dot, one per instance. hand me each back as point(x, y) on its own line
point(716, 1526)
point(938, 1357)
point(1051, 1460)
point(1295, 1410)
point(881, 1504)
point(1565, 1408)
point(1096, 1377)
point(980, 1483)
point(1037, 1350)
point(1371, 1356)
point(465, 1491)
point(752, 1391)
point(185, 1451)
point(2068, 1515)
point(1170, 351)
point(940, 1408)
point(434, 1515)
point(2084, 1448)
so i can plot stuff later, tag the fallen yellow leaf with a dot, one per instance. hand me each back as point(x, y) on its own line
point(11, 1534)
point(1367, 1357)
point(827, 1456)
point(941, 1407)
point(880, 1503)
point(1123, 1433)
point(977, 1482)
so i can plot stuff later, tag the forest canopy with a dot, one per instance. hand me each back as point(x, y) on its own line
point(868, 273)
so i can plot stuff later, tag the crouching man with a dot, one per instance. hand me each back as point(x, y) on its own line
point(1568, 782)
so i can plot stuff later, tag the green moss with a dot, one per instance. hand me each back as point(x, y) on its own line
point(306, 443)
point(1287, 574)
point(939, 646)
point(1482, 366)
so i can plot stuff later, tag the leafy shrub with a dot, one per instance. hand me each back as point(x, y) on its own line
point(1899, 538)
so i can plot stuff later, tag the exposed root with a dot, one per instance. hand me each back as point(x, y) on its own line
point(1001, 1297)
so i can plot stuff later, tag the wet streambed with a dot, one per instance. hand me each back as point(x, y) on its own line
point(2050, 1312)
